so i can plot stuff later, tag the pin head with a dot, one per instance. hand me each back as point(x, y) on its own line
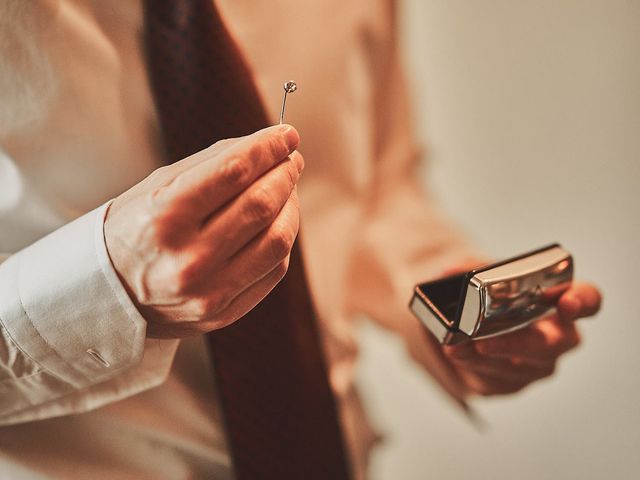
point(290, 86)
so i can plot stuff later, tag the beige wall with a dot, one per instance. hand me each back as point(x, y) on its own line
point(531, 114)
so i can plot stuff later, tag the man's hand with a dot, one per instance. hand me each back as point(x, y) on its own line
point(507, 363)
point(199, 243)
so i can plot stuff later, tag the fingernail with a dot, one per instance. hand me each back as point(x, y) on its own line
point(291, 136)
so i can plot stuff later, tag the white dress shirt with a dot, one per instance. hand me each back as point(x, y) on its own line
point(78, 127)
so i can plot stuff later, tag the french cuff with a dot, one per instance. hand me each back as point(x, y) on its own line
point(64, 306)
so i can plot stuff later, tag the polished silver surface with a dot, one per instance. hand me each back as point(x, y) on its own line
point(429, 319)
point(495, 299)
point(513, 294)
point(473, 309)
point(289, 87)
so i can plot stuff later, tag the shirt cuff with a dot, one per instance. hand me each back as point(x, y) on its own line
point(64, 306)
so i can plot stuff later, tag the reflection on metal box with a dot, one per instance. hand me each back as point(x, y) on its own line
point(496, 298)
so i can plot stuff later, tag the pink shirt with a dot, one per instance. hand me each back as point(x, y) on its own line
point(78, 127)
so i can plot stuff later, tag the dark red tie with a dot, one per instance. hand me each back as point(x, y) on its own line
point(280, 414)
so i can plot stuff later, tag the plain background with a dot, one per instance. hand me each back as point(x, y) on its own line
point(530, 112)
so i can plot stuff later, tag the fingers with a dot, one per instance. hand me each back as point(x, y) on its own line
point(210, 293)
point(509, 362)
point(261, 255)
point(547, 338)
point(200, 242)
point(215, 150)
point(542, 341)
point(496, 372)
point(581, 300)
point(489, 384)
point(511, 370)
point(253, 211)
point(486, 375)
point(221, 172)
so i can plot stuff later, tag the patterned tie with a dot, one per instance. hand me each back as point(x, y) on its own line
point(279, 410)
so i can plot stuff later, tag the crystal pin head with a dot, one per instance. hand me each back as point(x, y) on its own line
point(290, 86)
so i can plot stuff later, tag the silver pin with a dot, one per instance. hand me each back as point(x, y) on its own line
point(289, 87)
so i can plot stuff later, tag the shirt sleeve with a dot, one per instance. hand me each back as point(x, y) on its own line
point(405, 237)
point(70, 337)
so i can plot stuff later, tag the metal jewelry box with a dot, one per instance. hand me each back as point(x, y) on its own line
point(496, 298)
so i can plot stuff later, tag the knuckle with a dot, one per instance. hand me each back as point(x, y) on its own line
point(571, 339)
point(159, 229)
point(489, 346)
point(494, 388)
point(552, 335)
point(194, 271)
point(548, 370)
point(298, 158)
point(155, 196)
point(187, 274)
point(156, 223)
point(200, 309)
point(462, 351)
point(596, 303)
point(206, 308)
point(236, 172)
point(486, 390)
point(220, 321)
point(512, 388)
point(159, 174)
point(258, 151)
point(221, 144)
point(282, 268)
point(480, 386)
point(281, 242)
point(564, 339)
point(291, 175)
point(261, 206)
point(577, 338)
point(181, 285)
point(167, 224)
point(268, 149)
point(276, 147)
